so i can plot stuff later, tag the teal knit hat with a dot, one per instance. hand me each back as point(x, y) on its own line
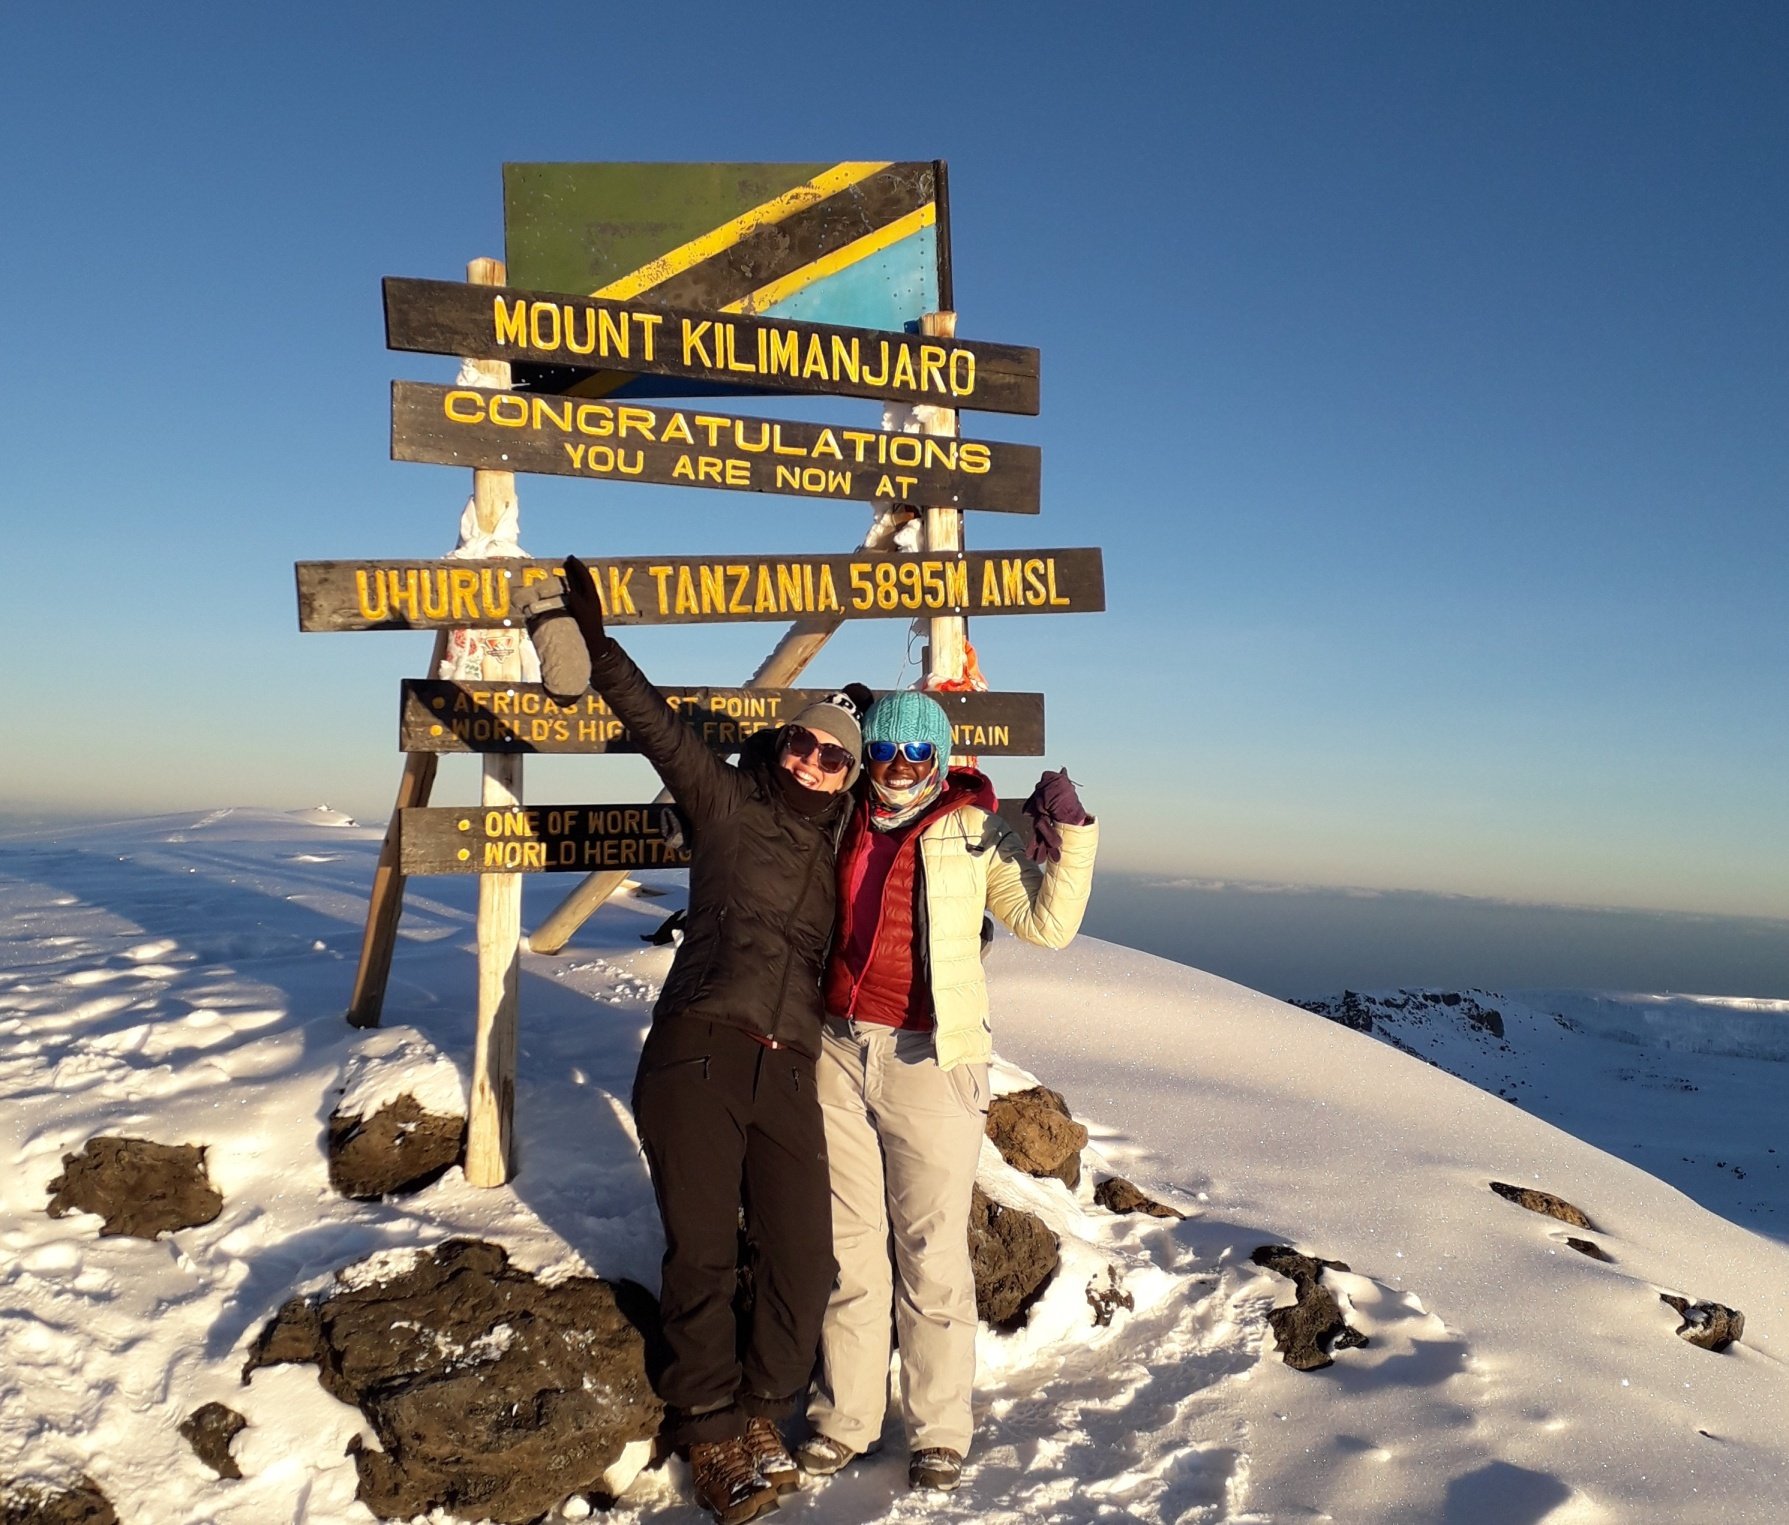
point(909, 716)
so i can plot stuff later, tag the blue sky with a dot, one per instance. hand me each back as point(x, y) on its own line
point(1420, 369)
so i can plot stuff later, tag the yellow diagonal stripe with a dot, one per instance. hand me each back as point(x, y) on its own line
point(655, 272)
point(871, 243)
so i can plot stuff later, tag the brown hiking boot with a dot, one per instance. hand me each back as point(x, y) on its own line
point(727, 1482)
point(936, 1467)
point(775, 1465)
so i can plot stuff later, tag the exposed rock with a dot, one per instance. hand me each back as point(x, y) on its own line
point(1014, 1257)
point(1542, 1202)
point(33, 1504)
point(1591, 1248)
point(1713, 1326)
point(1312, 1327)
point(140, 1188)
point(493, 1395)
point(1118, 1195)
point(1109, 1298)
point(209, 1431)
point(1034, 1133)
point(398, 1148)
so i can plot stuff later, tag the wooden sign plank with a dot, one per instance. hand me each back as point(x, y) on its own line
point(772, 354)
point(533, 839)
point(685, 590)
point(694, 447)
point(560, 839)
point(440, 716)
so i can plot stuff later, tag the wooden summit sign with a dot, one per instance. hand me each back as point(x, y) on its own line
point(537, 839)
point(772, 354)
point(681, 590)
point(693, 447)
point(440, 716)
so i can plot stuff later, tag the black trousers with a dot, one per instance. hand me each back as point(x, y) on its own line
point(727, 1125)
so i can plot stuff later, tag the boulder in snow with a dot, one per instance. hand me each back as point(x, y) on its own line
point(397, 1148)
point(1014, 1257)
point(1118, 1195)
point(1313, 1326)
point(1591, 1248)
point(1034, 1133)
point(140, 1188)
point(209, 1430)
point(33, 1504)
point(493, 1395)
point(1542, 1202)
point(1713, 1326)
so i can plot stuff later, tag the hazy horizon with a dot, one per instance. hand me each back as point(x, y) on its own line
point(1301, 940)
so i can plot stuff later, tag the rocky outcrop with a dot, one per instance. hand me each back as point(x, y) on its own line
point(140, 1188)
point(209, 1430)
point(1384, 1013)
point(1713, 1326)
point(1014, 1257)
point(80, 1503)
point(1591, 1248)
point(1306, 1333)
point(493, 1395)
point(1542, 1202)
point(1118, 1195)
point(397, 1148)
point(1034, 1133)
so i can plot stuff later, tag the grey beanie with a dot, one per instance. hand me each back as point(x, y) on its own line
point(837, 715)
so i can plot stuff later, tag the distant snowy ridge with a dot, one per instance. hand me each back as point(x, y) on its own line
point(1688, 1087)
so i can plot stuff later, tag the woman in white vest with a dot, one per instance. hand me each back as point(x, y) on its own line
point(903, 1073)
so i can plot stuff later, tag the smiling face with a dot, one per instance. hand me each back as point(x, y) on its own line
point(807, 770)
point(899, 774)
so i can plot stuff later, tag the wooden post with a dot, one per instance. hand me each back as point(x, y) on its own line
point(948, 635)
point(490, 1125)
point(386, 902)
point(799, 646)
point(492, 492)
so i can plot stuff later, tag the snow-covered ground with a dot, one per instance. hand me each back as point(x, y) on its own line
point(182, 979)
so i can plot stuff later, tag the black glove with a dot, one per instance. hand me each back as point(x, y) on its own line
point(585, 604)
point(564, 657)
point(1053, 803)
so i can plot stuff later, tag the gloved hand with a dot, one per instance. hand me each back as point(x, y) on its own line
point(564, 657)
point(1053, 803)
point(585, 604)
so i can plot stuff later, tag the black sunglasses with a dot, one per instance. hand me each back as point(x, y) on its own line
point(803, 743)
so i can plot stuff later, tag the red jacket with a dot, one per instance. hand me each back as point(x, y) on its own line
point(875, 972)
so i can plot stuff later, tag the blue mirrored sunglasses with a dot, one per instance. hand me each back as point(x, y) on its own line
point(913, 751)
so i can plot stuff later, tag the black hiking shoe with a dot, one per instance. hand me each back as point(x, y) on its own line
point(936, 1467)
point(775, 1465)
point(727, 1482)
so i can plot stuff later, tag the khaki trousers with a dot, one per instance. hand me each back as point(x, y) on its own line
point(902, 1141)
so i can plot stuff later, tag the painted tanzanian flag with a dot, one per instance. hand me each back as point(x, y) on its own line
point(865, 244)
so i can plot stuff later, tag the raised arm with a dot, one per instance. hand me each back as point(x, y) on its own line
point(1042, 904)
point(699, 780)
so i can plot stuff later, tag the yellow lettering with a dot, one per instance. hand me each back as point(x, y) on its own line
point(509, 324)
point(459, 400)
point(847, 359)
point(614, 333)
point(785, 348)
point(661, 576)
point(829, 594)
point(693, 333)
point(364, 587)
point(973, 457)
point(962, 372)
point(739, 473)
point(677, 431)
point(903, 369)
point(587, 344)
point(543, 335)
